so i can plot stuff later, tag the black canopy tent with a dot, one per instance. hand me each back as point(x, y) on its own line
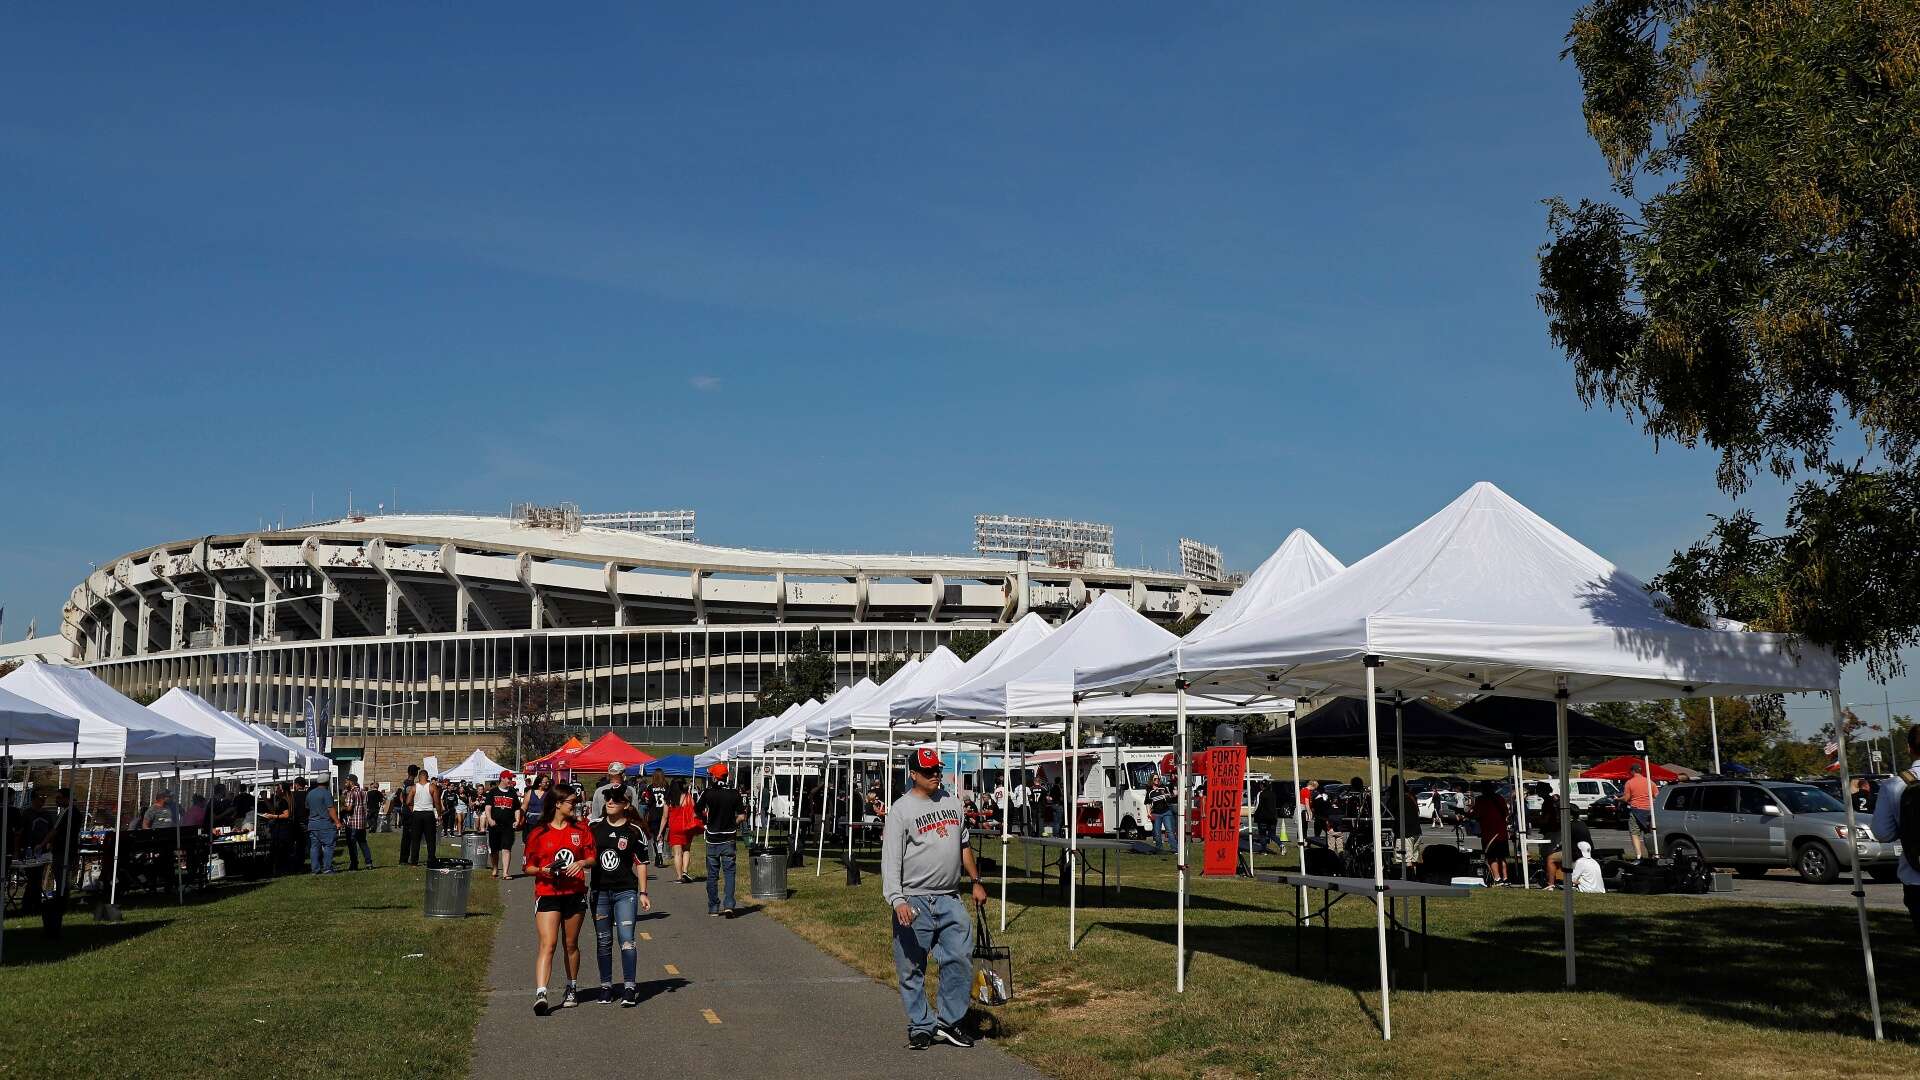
point(1339, 728)
point(1529, 726)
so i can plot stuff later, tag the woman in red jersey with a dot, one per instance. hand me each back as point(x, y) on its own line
point(558, 853)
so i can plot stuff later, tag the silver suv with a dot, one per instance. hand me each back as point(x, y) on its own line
point(1757, 825)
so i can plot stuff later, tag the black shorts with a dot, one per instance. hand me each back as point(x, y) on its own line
point(1497, 850)
point(568, 904)
point(500, 838)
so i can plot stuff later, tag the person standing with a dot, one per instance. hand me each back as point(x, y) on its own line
point(1639, 793)
point(923, 855)
point(721, 811)
point(656, 823)
point(323, 827)
point(1160, 810)
point(1893, 821)
point(530, 813)
point(422, 800)
point(558, 853)
point(616, 781)
point(1266, 818)
point(297, 813)
point(62, 845)
point(1490, 813)
point(375, 800)
point(277, 811)
point(354, 802)
point(619, 891)
point(682, 824)
point(503, 817)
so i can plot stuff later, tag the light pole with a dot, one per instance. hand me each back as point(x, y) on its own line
point(251, 606)
point(367, 705)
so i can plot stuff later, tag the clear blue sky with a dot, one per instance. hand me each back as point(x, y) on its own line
point(838, 277)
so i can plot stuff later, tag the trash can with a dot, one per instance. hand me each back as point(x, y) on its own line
point(768, 873)
point(473, 847)
point(447, 883)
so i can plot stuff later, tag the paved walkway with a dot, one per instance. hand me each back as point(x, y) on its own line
point(721, 998)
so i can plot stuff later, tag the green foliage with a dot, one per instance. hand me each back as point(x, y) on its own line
point(807, 673)
point(530, 703)
point(887, 667)
point(1762, 295)
point(966, 643)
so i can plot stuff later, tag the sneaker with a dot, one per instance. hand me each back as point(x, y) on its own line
point(685, 880)
point(632, 997)
point(952, 1036)
point(570, 1000)
point(728, 912)
point(714, 914)
point(919, 1040)
point(606, 995)
point(540, 1006)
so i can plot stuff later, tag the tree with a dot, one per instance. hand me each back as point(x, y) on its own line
point(887, 667)
point(807, 673)
point(965, 643)
point(528, 704)
point(1754, 286)
point(7, 667)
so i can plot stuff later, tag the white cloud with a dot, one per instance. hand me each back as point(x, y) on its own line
point(705, 383)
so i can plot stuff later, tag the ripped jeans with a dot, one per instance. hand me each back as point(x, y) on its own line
point(614, 912)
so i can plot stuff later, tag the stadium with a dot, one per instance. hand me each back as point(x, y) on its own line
point(405, 627)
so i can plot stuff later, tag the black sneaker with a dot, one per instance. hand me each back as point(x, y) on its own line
point(952, 1036)
point(919, 1040)
point(570, 1000)
point(540, 1006)
point(632, 998)
point(606, 995)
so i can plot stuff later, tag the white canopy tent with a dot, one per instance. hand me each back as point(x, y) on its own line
point(25, 721)
point(477, 768)
point(304, 760)
point(730, 746)
point(1039, 681)
point(1483, 597)
point(921, 706)
point(235, 744)
point(112, 729)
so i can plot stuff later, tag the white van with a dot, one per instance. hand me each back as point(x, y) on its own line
point(1113, 786)
point(1585, 792)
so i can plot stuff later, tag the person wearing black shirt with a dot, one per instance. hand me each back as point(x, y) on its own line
point(656, 823)
point(619, 882)
point(297, 816)
point(504, 815)
point(1550, 826)
point(277, 812)
point(720, 811)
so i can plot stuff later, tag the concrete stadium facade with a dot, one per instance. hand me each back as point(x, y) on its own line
point(408, 626)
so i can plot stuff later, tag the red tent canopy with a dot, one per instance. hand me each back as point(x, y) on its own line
point(1622, 767)
point(603, 752)
point(546, 762)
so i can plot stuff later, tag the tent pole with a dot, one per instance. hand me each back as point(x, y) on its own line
point(1653, 802)
point(119, 836)
point(6, 807)
point(1853, 858)
point(1006, 815)
point(1180, 824)
point(1520, 813)
point(1300, 809)
point(852, 793)
point(1379, 869)
point(1566, 824)
point(1073, 829)
point(887, 780)
point(826, 788)
point(179, 853)
point(1713, 732)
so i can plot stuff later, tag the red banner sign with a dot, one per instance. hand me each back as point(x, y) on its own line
point(1226, 773)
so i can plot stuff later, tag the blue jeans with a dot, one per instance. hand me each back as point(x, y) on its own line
point(320, 848)
point(1264, 836)
point(1163, 824)
point(357, 849)
point(942, 930)
point(720, 859)
point(613, 914)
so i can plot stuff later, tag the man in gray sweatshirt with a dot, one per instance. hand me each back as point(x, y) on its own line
point(922, 859)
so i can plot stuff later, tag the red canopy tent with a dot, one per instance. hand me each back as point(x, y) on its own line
point(546, 762)
point(603, 752)
point(1622, 767)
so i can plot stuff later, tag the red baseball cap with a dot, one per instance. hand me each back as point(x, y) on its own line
point(506, 774)
point(926, 760)
point(717, 770)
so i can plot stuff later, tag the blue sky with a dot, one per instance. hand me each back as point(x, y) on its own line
point(838, 277)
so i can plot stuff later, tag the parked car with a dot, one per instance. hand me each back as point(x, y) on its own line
point(1758, 825)
point(1608, 813)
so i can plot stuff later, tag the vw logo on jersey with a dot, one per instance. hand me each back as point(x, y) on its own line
point(610, 860)
point(563, 858)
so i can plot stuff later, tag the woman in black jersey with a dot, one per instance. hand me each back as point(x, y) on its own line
point(619, 884)
point(503, 816)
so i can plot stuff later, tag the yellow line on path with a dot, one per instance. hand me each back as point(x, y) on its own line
point(644, 936)
point(671, 970)
point(709, 1014)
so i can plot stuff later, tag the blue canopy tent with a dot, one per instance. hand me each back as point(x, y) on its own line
point(671, 765)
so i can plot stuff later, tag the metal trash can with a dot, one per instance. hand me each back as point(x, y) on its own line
point(768, 873)
point(473, 847)
point(447, 883)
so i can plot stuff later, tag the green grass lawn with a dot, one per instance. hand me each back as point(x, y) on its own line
point(1670, 986)
point(296, 977)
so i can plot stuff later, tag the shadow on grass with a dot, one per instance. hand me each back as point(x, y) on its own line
point(30, 945)
point(1784, 968)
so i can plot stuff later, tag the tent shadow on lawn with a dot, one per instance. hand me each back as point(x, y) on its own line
point(29, 945)
point(1783, 968)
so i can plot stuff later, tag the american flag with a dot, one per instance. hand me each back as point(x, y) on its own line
point(1833, 747)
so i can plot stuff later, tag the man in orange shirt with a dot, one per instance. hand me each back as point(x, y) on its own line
point(1639, 792)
